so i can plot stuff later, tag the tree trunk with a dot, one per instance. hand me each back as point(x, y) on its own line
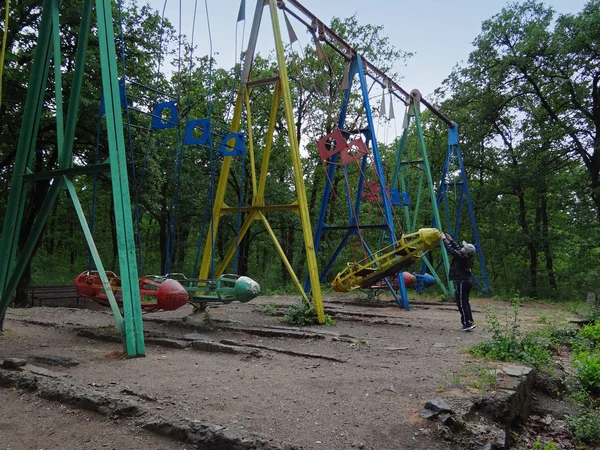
point(243, 252)
point(37, 199)
point(546, 242)
point(163, 227)
point(529, 243)
point(181, 245)
point(594, 172)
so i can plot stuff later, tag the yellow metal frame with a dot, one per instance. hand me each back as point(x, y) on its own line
point(258, 209)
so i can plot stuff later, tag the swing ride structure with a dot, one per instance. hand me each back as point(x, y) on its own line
point(350, 148)
point(343, 149)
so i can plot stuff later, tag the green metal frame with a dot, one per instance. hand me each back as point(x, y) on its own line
point(400, 174)
point(12, 265)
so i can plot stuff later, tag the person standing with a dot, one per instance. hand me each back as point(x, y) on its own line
point(461, 269)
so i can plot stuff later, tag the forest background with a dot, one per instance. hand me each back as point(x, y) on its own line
point(527, 102)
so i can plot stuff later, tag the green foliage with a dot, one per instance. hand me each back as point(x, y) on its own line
point(591, 333)
point(586, 427)
point(537, 445)
point(524, 100)
point(302, 314)
point(587, 367)
point(507, 343)
point(593, 313)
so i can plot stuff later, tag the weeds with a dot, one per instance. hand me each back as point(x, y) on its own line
point(548, 446)
point(507, 343)
point(302, 314)
point(279, 290)
point(587, 367)
point(586, 427)
point(591, 333)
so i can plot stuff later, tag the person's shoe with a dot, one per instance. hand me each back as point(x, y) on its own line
point(469, 327)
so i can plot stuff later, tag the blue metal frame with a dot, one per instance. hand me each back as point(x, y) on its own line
point(454, 148)
point(188, 137)
point(158, 123)
point(356, 68)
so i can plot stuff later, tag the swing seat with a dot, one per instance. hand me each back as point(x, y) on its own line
point(156, 292)
point(388, 261)
point(225, 289)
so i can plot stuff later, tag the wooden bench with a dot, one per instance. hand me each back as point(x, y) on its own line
point(40, 293)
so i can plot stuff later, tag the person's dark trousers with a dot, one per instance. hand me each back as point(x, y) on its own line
point(463, 289)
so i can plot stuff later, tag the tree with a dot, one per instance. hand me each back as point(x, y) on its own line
point(527, 102)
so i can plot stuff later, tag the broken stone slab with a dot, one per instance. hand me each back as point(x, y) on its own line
point(516, 371)
point(14, 363)
point(166, 342)
point(580, 322)
point(209, 436)
point(195, 337)
point(128, 391)
point(98, 335)
point(211, 346)
point(511, 401)
point(55, 360)
point(452, 421)
point(58, 389)
point(43, 372)
point(435, 407)
point(200, 434)
point(281, 350)
point(272, 332)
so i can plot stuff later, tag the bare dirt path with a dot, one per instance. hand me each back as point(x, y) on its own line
point(362, 384)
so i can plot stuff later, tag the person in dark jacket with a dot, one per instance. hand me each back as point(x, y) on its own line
point(460, 273)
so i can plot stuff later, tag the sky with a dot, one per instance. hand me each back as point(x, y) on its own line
point(440, 33)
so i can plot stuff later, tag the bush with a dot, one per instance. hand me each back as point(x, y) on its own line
point(587, 366)
point(527, 349)
point(508, 345)
point(586, 427)
point(548, 446)
point(591, 333)
point(302, 314)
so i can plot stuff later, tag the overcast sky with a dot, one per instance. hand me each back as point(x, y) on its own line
point(439, 32)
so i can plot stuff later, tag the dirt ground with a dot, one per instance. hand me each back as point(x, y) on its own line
point(359, 384)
